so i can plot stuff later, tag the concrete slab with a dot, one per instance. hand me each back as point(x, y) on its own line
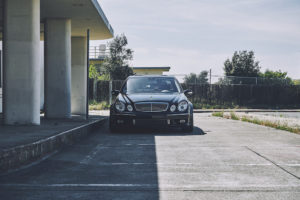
point(23, 145)
point(247, 110)
point(12, 136)
point(221, 159)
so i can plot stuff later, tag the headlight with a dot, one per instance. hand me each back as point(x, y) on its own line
point(130, 108)
point(172, 108)
point(182, 106)
point(120, 106)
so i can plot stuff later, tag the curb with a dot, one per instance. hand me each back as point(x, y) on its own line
point(17, 157)
point(241, 110)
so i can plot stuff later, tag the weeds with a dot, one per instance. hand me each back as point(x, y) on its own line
point(94, 105)
point(214, 106)
point(218, 114)
point(276, 125)
point(234, 116)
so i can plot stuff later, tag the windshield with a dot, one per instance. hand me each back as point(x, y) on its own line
point(151, 85)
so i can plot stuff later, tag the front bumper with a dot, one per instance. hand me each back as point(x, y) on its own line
point(150, 119)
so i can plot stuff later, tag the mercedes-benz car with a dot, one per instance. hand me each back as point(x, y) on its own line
point(151, 101)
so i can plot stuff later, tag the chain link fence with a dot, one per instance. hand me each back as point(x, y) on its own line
point(236, 80)
point(244, 95)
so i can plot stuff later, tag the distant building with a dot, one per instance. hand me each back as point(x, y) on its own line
point(97, 55)
point(150, 70)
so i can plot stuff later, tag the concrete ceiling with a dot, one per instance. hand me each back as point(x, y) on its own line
point(85, 14)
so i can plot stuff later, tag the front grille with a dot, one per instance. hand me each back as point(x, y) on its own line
point(151, 106)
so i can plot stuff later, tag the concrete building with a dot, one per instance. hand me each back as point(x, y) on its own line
point(97, 56)
point(62, 25)
point(150, 70)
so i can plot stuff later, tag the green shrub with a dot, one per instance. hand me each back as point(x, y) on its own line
point(234, 116)
point(94, 105)
point(218, 114)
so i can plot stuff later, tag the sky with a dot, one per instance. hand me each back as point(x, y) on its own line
point(195, 35)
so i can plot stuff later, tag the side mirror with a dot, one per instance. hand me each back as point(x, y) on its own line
point(188, 92)
point(115, 92)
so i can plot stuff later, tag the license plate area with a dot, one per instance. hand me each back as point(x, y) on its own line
point(158, 116)
point(150, 123)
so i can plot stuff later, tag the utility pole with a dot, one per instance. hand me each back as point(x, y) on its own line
point(87, 73)
point(210, 76)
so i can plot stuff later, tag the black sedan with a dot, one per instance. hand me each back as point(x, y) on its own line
point(151, 101)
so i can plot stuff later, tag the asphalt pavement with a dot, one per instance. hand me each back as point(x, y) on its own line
point(221, 159)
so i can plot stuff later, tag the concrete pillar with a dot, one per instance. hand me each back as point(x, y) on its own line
point(79, 75)
point(21, 45)
point(57, 68)
point(42, 75)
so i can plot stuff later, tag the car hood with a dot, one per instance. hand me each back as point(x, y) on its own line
point(134, 98)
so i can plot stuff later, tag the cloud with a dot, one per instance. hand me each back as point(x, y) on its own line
point(193, 34)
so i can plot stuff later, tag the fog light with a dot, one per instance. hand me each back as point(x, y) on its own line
point(173, 108)
point(120, 121)
point(169, 121)
point(182, 121)
point(130, 108)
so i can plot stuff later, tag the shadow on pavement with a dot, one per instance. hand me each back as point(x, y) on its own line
point(108, 165)
point(165, 132)
point(103, 166)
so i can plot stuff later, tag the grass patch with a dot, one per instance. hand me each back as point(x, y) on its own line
point(228, 105)
point(234, 116)
point(276, 125)
point(218, 114)
point(94, 105)
point(271, 124)
point(214, 106)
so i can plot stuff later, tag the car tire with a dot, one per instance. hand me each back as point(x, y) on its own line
point(112, 126)
point(189, 128)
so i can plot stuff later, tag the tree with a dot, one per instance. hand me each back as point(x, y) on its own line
point(116, 63)
point(242, 64)
point(203, 77)
point(276, 77)
point(94, 74)
point(296, 82)
point(193, 78)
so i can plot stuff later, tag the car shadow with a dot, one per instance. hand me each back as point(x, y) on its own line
point(164, 132)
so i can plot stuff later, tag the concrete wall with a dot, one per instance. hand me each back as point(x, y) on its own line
point(79, 75)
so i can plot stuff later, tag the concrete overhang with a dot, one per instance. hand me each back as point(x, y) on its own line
point(84, 14)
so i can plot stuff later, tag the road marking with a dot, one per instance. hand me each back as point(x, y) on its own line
point(156, 186)
point(119, 163)
point(92, 154)
point(194, 164)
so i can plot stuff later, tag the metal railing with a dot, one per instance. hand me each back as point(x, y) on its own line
point(97, 52)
